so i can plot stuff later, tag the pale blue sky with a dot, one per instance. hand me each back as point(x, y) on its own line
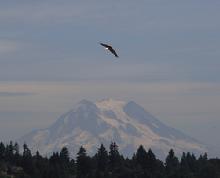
point(169, 60)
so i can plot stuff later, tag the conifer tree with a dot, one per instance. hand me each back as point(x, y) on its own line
point(141, 156)
point(151, 163)
point(26, 151)
point(102, 158)
point(16, 148)
point(16, 158)
point(65, 162)
point(64, 155)
point(27, 161)
point(82, 163)
point(2, 151)
point(9, 152)
point(172, 164)
point(114, 156)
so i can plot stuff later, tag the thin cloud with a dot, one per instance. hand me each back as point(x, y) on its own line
point(84, 12)
point(8, 46)
point(12, 94)
point(142, 15)
point(45, 12)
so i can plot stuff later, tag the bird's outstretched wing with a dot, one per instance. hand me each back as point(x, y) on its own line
point(113, 51)
point(109, 48)
point(105, 45)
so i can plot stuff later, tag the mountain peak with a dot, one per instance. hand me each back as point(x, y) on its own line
point(128, 124)
point(84, 101)
point(86, 106)
point(110, 103)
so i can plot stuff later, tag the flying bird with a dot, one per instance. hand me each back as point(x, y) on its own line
point(108, 47)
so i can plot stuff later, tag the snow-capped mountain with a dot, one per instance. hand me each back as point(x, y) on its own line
point(126, 123)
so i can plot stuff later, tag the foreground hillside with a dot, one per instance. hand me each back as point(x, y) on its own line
point(103, 164)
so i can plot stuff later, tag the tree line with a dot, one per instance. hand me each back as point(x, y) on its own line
point(103, 164)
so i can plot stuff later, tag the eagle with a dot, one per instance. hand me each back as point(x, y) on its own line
point(108, 47)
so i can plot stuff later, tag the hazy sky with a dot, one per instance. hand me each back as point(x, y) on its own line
point(169, 61)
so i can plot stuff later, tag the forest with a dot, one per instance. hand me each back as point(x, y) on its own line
point(16, 163)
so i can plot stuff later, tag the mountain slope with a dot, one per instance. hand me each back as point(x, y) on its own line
point(127, 124)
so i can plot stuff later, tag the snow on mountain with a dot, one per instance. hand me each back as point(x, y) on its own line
point(126, 123)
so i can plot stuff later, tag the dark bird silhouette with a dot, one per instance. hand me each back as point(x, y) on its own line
point(108, 47)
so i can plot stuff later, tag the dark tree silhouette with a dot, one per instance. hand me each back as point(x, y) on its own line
point(171, 164)
point(82, 163)
point(143, 164)
point(2, 151)
point(114, 156)
point(102, 158)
